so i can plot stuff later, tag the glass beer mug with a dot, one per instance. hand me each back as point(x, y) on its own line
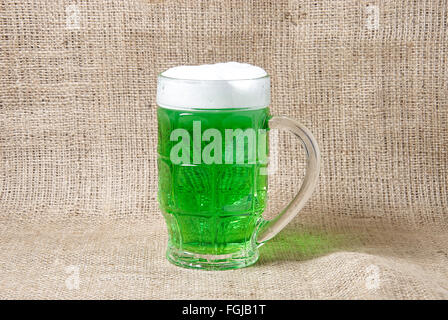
point(213, 123)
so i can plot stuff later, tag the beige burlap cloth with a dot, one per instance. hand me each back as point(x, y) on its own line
point(78, 178)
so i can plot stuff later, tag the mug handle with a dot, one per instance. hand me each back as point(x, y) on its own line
point(269, 228)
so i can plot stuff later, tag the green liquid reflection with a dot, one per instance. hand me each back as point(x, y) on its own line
point(304, 244)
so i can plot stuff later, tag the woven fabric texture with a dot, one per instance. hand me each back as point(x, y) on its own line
point(78, 135)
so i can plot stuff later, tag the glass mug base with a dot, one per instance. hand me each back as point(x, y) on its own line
point(192, 260)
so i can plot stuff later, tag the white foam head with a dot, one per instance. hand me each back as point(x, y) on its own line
point(214, 86)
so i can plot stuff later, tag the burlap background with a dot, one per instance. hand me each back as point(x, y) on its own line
point(78, 145)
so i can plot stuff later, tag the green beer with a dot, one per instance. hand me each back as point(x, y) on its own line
point(212, 164)
point(212, 209)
